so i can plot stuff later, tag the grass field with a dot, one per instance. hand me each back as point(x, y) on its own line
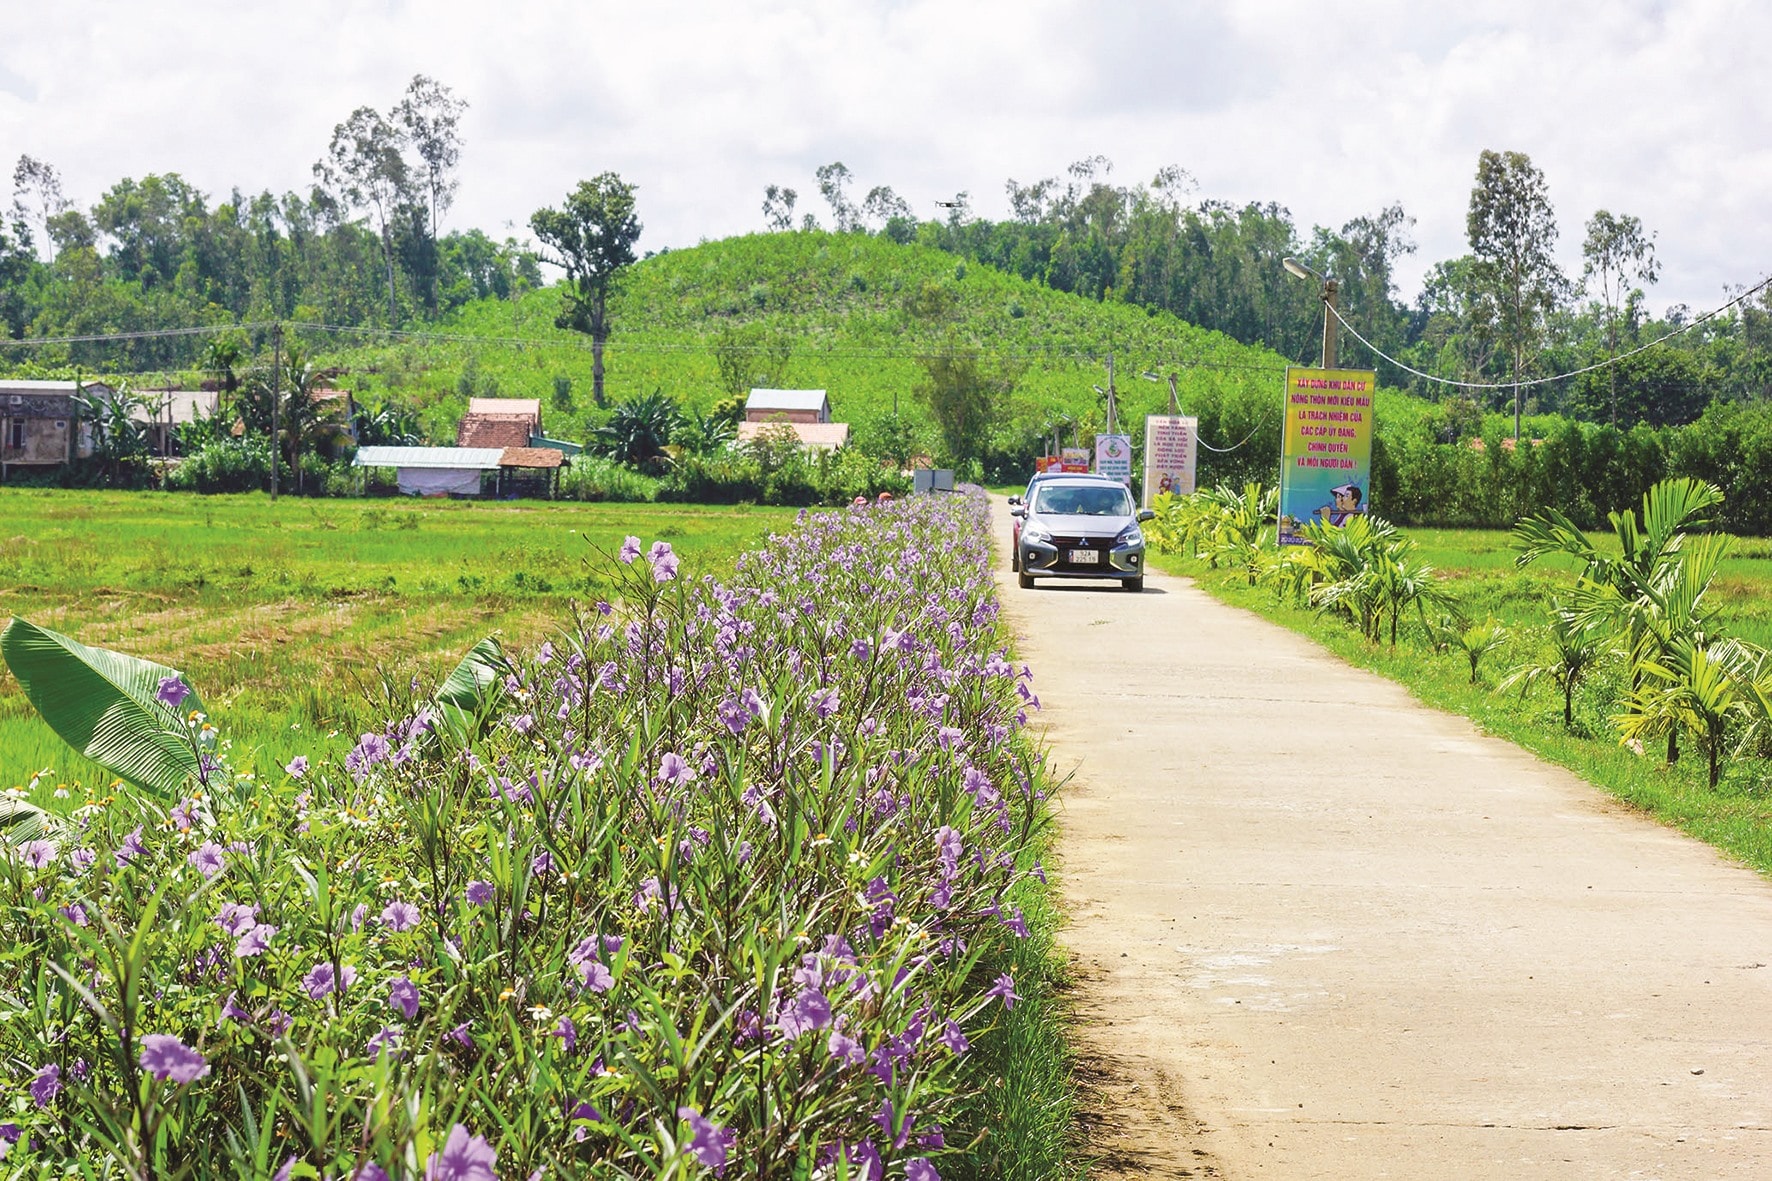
point(286, 616)
point(1477, 567)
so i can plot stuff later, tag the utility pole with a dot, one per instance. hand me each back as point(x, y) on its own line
point(276, 403)
point(1331, 309)
point(1112, 422)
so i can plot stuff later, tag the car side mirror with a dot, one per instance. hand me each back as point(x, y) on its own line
point(1017, 511)
point(1145, 514)
point(1014, 500)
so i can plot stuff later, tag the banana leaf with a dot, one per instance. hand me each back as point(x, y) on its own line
point(475, 684)
point(104, 705)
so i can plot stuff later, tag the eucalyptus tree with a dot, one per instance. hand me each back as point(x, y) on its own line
point(778, 207)
point(833, 185)
point(1618, 254)
point(430, 116)
point(365, 168)
point(591, 237)
point(1513, 232)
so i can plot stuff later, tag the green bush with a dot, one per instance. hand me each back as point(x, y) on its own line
point(590, 478)
point(228, 465)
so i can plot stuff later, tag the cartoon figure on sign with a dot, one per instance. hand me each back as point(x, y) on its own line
point(1346, 504)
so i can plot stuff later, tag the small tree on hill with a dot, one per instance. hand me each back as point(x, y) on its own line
point(591, 237)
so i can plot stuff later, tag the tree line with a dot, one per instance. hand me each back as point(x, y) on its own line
point(363, 246)
point(1502, 313)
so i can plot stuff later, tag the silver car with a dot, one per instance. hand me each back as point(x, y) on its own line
point(1081, 527)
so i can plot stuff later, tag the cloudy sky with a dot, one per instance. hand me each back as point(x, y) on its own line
point(1332, 108)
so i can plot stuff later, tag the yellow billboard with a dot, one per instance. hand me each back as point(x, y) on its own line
point(1325, 447)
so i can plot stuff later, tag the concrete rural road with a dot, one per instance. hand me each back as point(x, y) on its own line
point(1321, 931)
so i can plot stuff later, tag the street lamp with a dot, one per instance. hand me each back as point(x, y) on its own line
point(1331, 304)
point(1174, 398)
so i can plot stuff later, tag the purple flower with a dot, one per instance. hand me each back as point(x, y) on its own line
point(369, 1171)
point(674, 769)
point(322, 979)
point(358, 914)
point(370, 750)
point(919, 1169)
point(846, 1049)
point(403, 995)
point(823, 702)
point(464, 1157)
point(74, 913)
point(39, 854)
point(480, 893)
point(710, 1143)
point(80, 859)
point(387, 1038)
point(165, 1057)
point(172, 692)
point(542, 862)
point(810, 1011)
point(47, 1085)
point(733, 715)
point(257, 941)
point(208, 859)
point(664, 562)
point(1005, 988)
point(630, 549)
point(954, 1038)
point(131, 848)
point(297, 767)
point(567, 1032)
point(399, 916)
point(237, 918)
point(231, 1010)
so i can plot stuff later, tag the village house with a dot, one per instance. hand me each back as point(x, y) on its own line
point(39, 422)
point(807, 413)
point(499, 422)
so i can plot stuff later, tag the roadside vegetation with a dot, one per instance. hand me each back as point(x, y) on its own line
point(1636, 657)
point(731, 875)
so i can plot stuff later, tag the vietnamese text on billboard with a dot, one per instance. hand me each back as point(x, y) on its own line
point(1325, 448)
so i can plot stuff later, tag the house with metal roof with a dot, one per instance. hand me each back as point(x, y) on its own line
point(787, 406)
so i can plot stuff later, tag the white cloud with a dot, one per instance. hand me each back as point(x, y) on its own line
point(1333, 111)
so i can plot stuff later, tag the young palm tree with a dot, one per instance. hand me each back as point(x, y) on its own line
point(1578, 643)
point(1693, 689)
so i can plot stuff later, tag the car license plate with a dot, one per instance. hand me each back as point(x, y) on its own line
point(1085, 557)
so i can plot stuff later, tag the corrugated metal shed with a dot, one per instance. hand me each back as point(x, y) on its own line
point(482, 458)
point(760, 399)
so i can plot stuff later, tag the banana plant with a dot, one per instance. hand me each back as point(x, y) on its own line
point(131, 716)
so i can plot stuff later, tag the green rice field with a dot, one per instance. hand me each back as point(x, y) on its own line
point(287, 616)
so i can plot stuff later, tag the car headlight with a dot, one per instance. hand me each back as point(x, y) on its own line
point(1035, 534)
point(1130, 535)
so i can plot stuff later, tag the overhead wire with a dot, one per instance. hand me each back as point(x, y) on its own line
point(1535, 381)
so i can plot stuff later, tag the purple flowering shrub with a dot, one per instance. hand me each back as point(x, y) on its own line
point(721, 878)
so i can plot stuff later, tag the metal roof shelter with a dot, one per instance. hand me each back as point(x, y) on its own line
point(434, 471)
point(763, 403)
point(457, 471)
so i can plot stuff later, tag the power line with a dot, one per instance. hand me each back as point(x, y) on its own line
point(1510, 385)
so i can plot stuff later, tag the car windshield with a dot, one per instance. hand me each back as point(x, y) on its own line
point(1109, 500)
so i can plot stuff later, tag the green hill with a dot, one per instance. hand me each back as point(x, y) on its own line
point(854, 314)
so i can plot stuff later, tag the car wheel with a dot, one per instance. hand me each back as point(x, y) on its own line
point(1133, 584)
point(1015, 559)
point(1027, 581)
